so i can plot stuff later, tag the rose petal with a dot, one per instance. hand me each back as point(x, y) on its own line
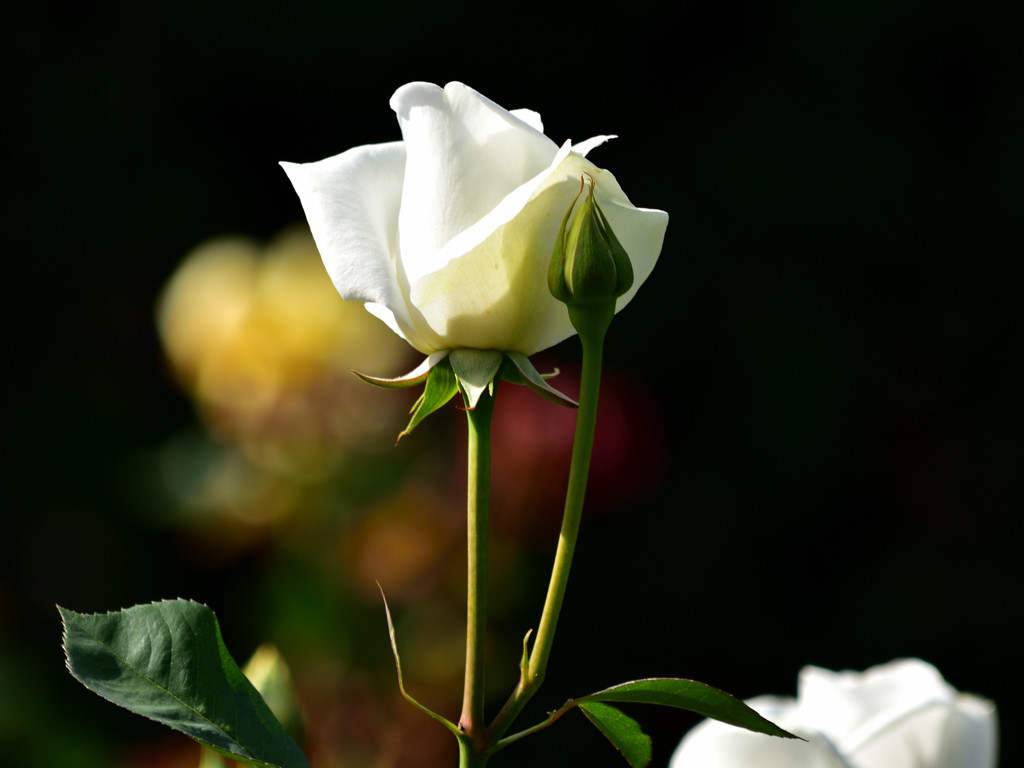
point(898, 715)
point(583, 147)
point(493, 282)
point(351, 201)
point(712, 744)
point(464, 154)
point(851, 706)
point(529, 117)
point(972, 734)
point(446, 236)
point(409, 324)
point(938, 735)
point(492, 292)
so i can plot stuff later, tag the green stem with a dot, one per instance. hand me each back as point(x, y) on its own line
point(535, 666)
point(582, 447)
point(472, 722)
point(470, 756)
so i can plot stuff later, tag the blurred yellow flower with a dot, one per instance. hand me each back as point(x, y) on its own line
point(259, 339)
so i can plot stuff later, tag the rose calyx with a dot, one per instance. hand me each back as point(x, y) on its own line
point(469, 372)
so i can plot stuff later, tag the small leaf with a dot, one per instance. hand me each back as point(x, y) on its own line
point(524, 662)
point(692, 696)
point(398, 668)
point(475, 370)
point(622, 731)
point(416, 376)
point(167, 661)
point(524, 371)
point(440, 388)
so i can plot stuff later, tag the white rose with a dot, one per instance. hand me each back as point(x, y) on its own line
point(898, 715)
point(447, 234)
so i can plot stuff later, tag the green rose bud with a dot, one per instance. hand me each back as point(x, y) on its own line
point(589, 266)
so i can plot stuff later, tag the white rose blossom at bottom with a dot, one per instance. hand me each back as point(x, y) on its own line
point(898, 715)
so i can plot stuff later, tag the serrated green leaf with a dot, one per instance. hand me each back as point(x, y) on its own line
point(622, 731)
point(167, 661)
point(692, 696)
point(440, 388)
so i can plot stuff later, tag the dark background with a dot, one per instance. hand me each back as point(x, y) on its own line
point(830, 341)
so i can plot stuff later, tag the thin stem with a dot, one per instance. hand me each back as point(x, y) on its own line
point(548, 721)
point(477, 508)
point(582, 447)
point(535, 667)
